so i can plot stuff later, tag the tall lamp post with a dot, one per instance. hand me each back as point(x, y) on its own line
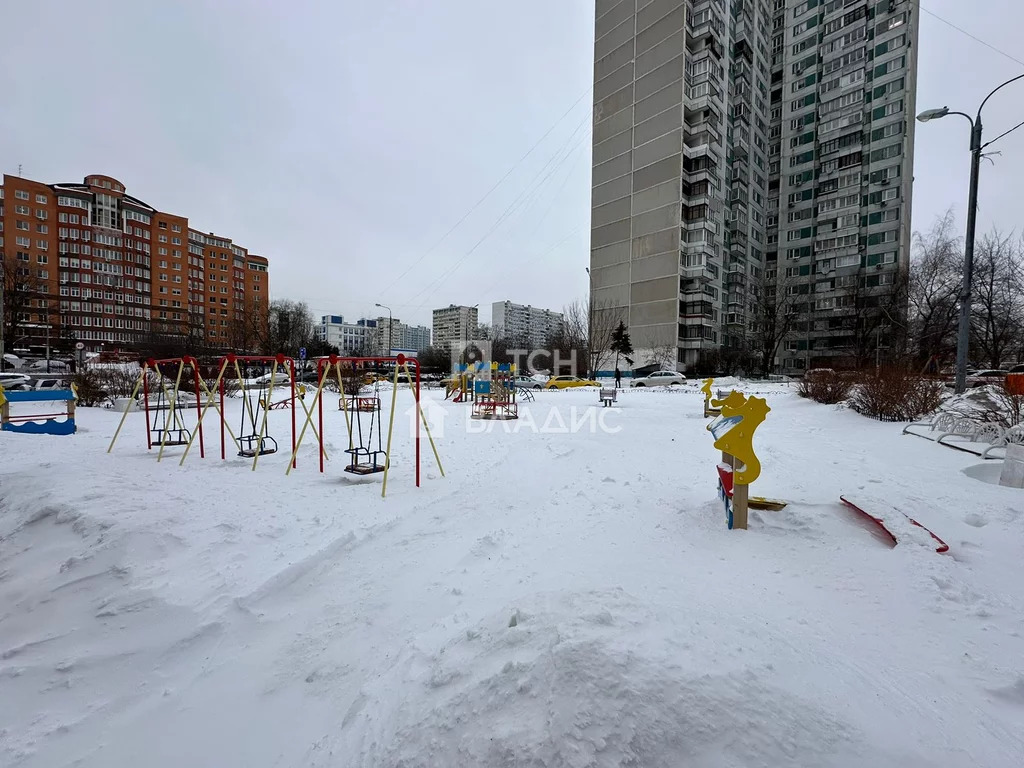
point(964, 334)
point(390, 325)
point(590, 322)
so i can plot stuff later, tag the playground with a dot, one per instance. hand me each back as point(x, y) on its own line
point(568, 590)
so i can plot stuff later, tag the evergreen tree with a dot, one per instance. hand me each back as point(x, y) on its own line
point(621, 345)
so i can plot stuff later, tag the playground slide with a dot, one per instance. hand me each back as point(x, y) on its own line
point(898, 525)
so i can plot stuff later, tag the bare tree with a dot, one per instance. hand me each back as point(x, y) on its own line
point(998, 308)
point(27, 305)
point(933, 291)
point(772, 315)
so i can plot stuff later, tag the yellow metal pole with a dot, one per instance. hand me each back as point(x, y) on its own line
point(391, 427)
point(211, 394)
point(312, 426)
point(135, 392)
point(171, 403)
point(266, 415)
point(344, 401)
point(426, 426)
point(309, 419)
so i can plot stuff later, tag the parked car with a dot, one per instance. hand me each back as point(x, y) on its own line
point(15, 381)
point(54, 365)
point(281, 377)
point(525, 382)
point(659, 379)
point(988, 376)
point(49, 383)
point(567, 382)
point(1017, 368)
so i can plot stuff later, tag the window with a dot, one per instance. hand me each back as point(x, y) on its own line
point(22, 209)
point(23, 225)
point(20, 194)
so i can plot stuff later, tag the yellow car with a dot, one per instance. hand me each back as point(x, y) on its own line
point(566, 382)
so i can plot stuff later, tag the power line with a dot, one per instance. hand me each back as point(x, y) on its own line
point(509, 211)
point(489, 192)
point(963, 31)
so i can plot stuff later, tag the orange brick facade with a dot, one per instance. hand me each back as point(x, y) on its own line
point(88, 262)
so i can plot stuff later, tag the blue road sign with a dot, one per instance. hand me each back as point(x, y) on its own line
point(302, 353)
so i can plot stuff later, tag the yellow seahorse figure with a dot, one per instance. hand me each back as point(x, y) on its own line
point(748, 413)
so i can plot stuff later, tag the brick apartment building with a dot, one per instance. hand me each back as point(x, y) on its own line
point(88, 262)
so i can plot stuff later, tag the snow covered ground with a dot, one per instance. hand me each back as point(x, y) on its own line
point(562, 597)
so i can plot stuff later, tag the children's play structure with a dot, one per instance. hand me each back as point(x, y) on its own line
point(739, 417)
point(163, 405)
point(59, 423)
point(367, 451)
point(494, 396)
point(460, 386)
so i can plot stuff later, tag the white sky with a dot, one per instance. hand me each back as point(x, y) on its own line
point(344, 139)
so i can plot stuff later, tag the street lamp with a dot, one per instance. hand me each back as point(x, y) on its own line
point(964, 334)
point(389, 326)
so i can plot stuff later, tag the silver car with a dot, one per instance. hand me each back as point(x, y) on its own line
point(659, 379)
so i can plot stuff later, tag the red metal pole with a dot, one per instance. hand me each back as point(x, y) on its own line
point(145, 401)
point(294, 460)
point(199, 410)
point(320, 418)
point(416, 364)
point(224, 370)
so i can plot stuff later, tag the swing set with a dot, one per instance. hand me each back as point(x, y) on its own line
point(254, 438)
point(165, 422)
point(367, 452)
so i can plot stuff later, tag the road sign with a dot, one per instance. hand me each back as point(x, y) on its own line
point(302, 353)
point(79, 345)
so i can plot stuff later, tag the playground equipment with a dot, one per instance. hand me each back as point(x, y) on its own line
point(253, 439)
point(167, 427)
point(459, 385)
point(300, 392)
point(39, 423)
point(366, 455)
point(495, 397)
point(608, 396)
point(733, 430)
point(706, 389)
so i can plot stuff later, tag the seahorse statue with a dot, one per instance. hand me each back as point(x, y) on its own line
point(706, 389)
point(746, 415)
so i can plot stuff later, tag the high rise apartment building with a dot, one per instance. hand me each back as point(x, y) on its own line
point(523, 323)
point(414, 338)
point(748, 152)
point(455, 325)
point(88, 262)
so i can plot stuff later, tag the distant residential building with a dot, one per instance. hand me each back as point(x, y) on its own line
point(349, 338)
point(521, 322)
point(455, 324)
point(99, 266)
point(402, 337)
point(417, 337)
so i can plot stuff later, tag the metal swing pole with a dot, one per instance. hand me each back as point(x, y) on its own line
point(266, 415)
point(172, 411)
point(391, 427)
point(426, 427)
point(124, 414)
point(317, 402)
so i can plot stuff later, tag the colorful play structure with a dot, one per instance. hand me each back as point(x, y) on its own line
point(494, 396)
point(460, 386)
point(60, 423)
point(737, 417)
point(368, 453)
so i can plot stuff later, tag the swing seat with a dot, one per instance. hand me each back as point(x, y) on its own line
point(363, 461)
point(171, 437)
point(254, 445)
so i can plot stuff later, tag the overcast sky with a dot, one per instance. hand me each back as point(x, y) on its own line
point(344, 140)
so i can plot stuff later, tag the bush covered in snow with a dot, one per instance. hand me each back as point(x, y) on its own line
point(894, 394)
point(823, 385)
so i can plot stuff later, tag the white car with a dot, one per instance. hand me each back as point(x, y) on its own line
point(54, 365)
point(15, 381)
point(659, 379)
point(525, 382)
